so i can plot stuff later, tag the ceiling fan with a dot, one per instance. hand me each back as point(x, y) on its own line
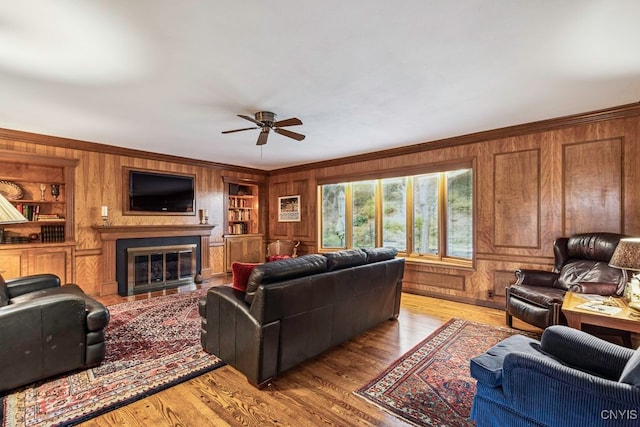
point(266, 121)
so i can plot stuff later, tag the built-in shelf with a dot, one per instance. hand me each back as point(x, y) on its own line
point(242, 208)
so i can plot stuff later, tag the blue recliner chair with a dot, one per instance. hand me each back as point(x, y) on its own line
point(568, 378)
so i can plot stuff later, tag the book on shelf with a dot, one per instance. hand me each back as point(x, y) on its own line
point(238, 229)
point(49, 217)
point(239, 203)
point(29, 211)
point(52, 233)
point(239, 215)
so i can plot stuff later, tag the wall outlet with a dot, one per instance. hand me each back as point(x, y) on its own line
point(490, 293)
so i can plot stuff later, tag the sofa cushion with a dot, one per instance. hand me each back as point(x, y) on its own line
point(631, 372)
point(241, 272)
point(579, 271)
point(487, 367)
point(345, 259)
point(285, 269)
point(380, 254)
point(4, 292)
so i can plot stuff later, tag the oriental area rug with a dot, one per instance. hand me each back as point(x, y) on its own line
point(431, 385)
point(152, 344)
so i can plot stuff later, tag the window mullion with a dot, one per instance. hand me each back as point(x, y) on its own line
point(378, 217)
point(409, 213)
point(348, 206)
point(442, 215)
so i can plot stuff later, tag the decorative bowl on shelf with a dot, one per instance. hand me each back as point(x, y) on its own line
point(10, 190)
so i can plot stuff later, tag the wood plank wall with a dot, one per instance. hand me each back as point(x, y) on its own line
point(533, 183)
point(99, 182)
point(530, 188)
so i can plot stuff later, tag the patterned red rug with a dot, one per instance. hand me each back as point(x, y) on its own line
point(430, 385)
point(152, 344)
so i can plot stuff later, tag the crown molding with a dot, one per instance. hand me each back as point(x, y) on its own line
point(613, 113)
point(619, 112)
point(75, 144)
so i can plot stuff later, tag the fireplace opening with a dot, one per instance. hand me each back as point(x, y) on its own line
point(160, 267)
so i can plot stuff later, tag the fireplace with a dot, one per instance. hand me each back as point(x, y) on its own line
point(151, 268)
point(166, 260)
point(116, 239)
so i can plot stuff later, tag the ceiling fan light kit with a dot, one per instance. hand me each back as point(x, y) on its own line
point(266, 121)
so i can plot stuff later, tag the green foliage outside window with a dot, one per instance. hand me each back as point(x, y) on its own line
point(333, 216)
point(364, 227)
point(387, 201)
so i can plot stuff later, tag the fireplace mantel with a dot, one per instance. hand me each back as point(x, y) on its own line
point(115, 232)
point(109, 235)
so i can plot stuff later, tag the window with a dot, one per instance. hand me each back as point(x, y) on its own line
point(459, 214)
point(425, 214)
point(363, 214)
point(428, 216)
point(394, 213)
point(333, 216)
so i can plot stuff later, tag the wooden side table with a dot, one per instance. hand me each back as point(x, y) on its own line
point(577, 317)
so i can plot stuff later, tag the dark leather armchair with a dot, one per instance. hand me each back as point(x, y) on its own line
point(581, 265)
point(47, 329)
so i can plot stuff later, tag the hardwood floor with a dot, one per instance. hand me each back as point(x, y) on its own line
point(318, 392)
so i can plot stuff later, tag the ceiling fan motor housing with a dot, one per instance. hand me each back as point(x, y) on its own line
point(266, 117)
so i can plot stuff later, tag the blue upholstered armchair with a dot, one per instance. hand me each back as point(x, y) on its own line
point(568, 378)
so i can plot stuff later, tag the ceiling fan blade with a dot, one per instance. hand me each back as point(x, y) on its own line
point(294, 121)
point(251, 119)
point(262, 138)
point(239, 130)
point(294, 135)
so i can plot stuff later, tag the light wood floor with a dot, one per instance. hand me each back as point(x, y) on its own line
point(318, 392)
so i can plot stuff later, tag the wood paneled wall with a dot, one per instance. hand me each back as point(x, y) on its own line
point(530, 188)
point(99, 182)
point(533, 183)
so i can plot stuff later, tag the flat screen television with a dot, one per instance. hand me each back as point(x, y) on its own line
point(161, 192)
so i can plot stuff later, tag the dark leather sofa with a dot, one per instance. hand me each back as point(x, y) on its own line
point(47, 329)
point(294, 309)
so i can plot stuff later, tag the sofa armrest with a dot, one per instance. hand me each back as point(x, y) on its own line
point(585, 352)
point(51, 304)
point(540, 278)
point(26, 284)
point(606, 289)
point(544, 390)
point(230, 332)
point(41, 338)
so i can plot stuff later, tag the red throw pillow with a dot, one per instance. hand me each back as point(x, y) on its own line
point(241, 272)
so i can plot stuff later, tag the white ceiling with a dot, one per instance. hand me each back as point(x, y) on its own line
point(169, 76)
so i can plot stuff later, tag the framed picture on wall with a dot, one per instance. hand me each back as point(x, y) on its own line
point(289, 209)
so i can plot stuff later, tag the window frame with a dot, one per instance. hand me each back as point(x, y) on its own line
point(409, 173)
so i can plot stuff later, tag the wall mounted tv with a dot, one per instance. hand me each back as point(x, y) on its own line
point(159, 192)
